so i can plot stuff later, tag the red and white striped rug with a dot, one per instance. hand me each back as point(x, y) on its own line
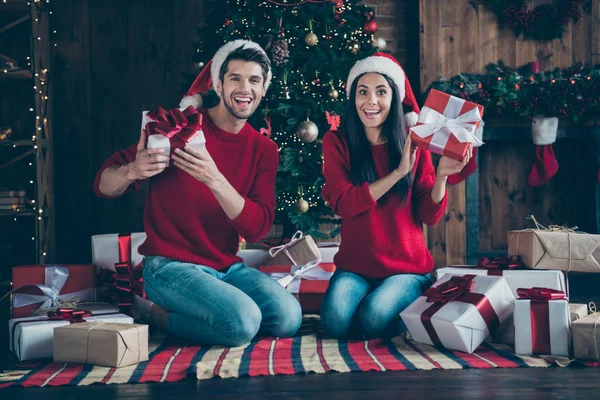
point(173, 360)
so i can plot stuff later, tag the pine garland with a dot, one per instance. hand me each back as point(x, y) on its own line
point(546, 22)
point(569, 93)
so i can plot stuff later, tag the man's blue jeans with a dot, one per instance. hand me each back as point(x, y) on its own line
point(227, 307)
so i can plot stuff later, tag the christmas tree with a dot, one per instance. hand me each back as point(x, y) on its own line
point(312, 45)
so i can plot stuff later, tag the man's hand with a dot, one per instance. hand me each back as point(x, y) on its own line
point(148, 162)
point(198, 164)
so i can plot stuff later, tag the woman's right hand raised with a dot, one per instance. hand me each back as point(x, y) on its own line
point(409, 155)
point(148, 162)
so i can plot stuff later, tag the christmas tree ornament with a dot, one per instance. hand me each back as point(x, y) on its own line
point(302, 205)
point(307, 131)
point(333, 120)
point(354, 48)
point(370, 27)
point(227, 22)
point(333, 93)
point(280, 52)
point(311, 39)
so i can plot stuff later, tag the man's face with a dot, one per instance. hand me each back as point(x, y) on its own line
point(242, 88)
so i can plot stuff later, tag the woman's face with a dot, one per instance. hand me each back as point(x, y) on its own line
point(373, 99)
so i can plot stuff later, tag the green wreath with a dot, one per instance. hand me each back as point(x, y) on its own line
point(543, 23)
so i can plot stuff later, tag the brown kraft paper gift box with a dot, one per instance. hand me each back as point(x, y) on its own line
point(104, 344)
point(562, 250)
point(299, 251)
point(586, 338)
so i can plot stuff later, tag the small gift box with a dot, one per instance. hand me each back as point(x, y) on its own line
point(558, 250)
point(542, 322)
point(172, 129)
point(308, 283)
point(459, 312)
point(586, 338)
point(31, 337)
point(447, 125)
point(44, 286)
point(104, 344)
point(120, 268)
point(515, 278)
point(300, 250)
point(577, 311)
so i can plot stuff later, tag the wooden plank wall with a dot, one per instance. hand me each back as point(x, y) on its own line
point(462, 36)
point(113, 60)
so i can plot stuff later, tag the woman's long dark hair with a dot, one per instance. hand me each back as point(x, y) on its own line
point(362, 166)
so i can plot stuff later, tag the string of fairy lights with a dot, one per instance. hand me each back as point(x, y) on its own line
point(41, 77)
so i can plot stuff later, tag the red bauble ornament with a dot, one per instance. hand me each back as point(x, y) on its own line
point(227, 22)
point(370, 27)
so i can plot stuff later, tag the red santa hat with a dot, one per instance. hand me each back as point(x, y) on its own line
point(386, 64)
point(209, 76)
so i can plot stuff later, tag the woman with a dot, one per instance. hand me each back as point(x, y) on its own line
point(383, 188)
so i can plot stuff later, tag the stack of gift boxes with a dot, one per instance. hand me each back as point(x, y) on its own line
point(521, 300)
point(56, 310)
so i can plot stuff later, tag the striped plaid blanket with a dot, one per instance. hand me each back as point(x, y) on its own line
point(173, 360)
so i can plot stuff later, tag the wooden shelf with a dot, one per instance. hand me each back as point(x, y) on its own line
point(18, 74)
point(21, 213)
point(13, 5)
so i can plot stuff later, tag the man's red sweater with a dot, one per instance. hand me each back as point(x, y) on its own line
point(382, 238)
point(182, 217)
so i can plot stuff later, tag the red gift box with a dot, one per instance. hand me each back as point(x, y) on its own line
point(44, 285)
point(447, 125)
point(307, 283)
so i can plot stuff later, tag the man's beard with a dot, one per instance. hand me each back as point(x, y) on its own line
point(229, 106)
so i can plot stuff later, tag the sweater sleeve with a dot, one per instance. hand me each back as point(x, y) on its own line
point(258, 213)
point(428, 212)
point(118, 159)
point(344, 197)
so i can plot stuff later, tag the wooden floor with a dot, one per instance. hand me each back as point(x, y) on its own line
point(513, 384)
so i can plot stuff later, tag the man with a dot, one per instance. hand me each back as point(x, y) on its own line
point(200, 202)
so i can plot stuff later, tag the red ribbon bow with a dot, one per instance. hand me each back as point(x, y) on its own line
point(449, 290)
point(125, 281)
point(174, 123)
point(68, 314)
point(538, 293)
point(457, 288)
point(499, 262)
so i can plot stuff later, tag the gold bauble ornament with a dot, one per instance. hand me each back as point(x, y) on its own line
point(307, 131)
point(333, 93)
point(302, 205)
point(311, 39)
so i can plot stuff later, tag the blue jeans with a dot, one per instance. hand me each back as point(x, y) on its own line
point(227, 307)
point(355, 306)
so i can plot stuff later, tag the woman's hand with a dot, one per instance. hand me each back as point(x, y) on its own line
point(448, 166)
point(409, 155)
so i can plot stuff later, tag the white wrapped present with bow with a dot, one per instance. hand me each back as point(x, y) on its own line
point(447, 125)
point(307, 282)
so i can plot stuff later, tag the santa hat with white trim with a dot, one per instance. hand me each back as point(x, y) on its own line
point(386, 64)
point(209, 76)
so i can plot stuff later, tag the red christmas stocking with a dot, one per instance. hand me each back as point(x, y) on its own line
point(543, 132)
point(544, 168)
point(466, 171)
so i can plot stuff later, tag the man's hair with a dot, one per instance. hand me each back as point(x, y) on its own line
point(250, 55)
